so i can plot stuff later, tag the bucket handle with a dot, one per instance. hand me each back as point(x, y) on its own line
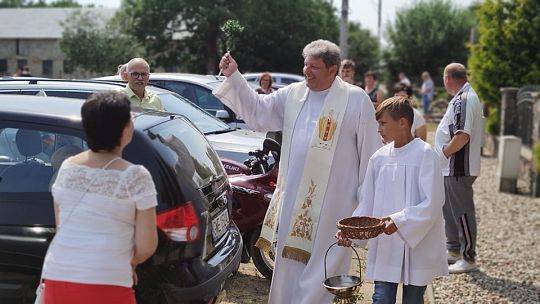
point(357, 256)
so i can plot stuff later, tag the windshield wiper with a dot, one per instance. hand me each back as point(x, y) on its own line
point(220, 131)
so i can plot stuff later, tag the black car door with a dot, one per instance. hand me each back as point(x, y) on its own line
point(30, 156)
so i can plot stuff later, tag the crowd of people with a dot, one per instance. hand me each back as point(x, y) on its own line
point(345, 152)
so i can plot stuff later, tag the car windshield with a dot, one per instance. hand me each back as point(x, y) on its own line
point(214, 84)
point(207, 123)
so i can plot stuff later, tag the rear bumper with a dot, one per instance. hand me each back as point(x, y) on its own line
point(225, 262)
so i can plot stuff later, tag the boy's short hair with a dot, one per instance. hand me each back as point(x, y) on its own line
point(371, 74)
point(398, 107)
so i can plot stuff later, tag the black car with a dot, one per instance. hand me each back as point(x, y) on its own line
point(199, 247)
point(229, 143)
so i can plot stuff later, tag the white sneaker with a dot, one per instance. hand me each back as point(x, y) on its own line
point(462, 266)
point(452, 257)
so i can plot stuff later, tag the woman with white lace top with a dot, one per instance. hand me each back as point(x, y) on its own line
point(105, 212)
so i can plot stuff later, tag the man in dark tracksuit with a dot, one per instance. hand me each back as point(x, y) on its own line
point(458, 140)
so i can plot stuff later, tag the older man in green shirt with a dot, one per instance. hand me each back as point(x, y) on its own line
point(137, 74)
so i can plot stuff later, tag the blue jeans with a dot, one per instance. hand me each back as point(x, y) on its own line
point(385, 293)
point(425, 103)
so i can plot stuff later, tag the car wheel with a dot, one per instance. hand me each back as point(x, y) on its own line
point(264, 262)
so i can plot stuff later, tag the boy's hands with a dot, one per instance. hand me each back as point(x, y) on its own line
point(342, 241)
point(390, 227)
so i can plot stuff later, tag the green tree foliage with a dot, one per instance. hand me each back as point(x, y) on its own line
point(363, 50)
point(187, 32)
point(92, 45)
point(508, 48)
point(426, 37)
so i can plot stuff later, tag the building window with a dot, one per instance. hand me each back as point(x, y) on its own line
point(3, 66)
point(47, 68)
point(21, 63)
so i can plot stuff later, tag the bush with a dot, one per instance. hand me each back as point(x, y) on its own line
point(507, 53)
point(493, 123)
point(536, 153)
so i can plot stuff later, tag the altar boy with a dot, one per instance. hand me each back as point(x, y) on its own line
point(404, 187)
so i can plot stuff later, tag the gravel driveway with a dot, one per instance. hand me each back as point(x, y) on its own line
point(508, 254)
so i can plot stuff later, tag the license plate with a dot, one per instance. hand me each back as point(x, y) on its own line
point(220, 224)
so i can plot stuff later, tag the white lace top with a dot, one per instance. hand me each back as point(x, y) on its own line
point(96, 244)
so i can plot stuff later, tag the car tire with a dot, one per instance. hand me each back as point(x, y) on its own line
point(259, 257)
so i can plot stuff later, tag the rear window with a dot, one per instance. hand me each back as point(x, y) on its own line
point(187, 150)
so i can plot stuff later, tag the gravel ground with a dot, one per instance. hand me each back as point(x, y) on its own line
point(508, 248)
point(508, 254)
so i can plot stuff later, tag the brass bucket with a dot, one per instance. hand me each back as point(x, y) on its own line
point(344, 287)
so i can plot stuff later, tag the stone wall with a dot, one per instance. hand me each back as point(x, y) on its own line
point(35, 51)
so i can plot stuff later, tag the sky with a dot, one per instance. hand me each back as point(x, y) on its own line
point(363, 11)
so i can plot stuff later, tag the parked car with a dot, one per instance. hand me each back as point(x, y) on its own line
point(278, 79)
point(229, 142)
point(199, 247)
point(196, 88)
point(233, 147)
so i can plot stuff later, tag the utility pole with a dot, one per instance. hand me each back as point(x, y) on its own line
point(379, 13)
point(344, 29)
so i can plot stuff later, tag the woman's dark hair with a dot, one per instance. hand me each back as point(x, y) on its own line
point(104, 117)
point(399, 87)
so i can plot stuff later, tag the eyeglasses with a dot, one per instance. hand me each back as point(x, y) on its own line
point(137, 74)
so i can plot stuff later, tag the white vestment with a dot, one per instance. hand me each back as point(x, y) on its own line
point(406, 184)
point(295, 282)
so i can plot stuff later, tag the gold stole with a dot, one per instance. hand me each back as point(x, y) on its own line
point(312, 189)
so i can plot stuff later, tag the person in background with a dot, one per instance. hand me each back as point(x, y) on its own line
point(403, 79)
point(372, 88)
point(346, 71)
point(265, 83)
point(137, 74)
point(458, 140)
point(418, 128)
point(104, 210)
point(122, 71)
point(17, 73)
point(427, 91)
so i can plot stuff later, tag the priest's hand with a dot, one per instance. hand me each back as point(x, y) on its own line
point(342, 241)
point(228, 65)
point(390, 226)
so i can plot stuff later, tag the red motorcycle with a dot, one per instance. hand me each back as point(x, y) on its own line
point(253, 184)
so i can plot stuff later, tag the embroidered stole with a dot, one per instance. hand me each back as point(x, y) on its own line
point(312, 189)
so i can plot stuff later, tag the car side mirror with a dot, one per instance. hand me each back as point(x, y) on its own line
point(222, 114)
point(271, 145)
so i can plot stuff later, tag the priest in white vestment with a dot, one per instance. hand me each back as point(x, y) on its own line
point(329, 134)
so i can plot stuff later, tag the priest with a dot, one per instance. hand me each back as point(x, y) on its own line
point(329, 134)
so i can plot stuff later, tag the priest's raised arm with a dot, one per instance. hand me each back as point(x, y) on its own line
point(261, 112)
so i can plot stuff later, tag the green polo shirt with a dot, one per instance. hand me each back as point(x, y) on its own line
point(149, 101)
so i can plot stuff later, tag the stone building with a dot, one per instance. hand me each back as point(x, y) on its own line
point(30, 37)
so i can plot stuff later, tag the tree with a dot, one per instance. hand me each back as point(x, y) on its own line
point(508, 48)
point(187, 32)
point(91, 44)
point(426, 37)
point(363, 49)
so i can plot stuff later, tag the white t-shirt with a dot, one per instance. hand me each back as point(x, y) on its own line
point(418, 121)
point(464, 114)
point(96, 244)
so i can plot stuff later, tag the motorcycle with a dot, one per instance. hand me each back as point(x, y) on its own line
point(253, 184)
